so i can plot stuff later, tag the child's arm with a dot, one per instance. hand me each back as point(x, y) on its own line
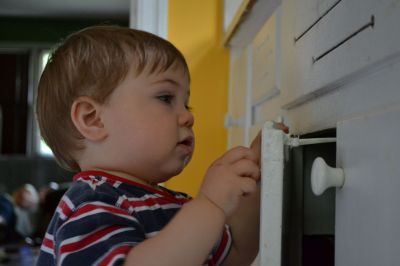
point(245, 223)
point(245, 229)
point(186, 240)
point(190, 236)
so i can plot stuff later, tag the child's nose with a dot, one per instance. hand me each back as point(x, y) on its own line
point(186, 118)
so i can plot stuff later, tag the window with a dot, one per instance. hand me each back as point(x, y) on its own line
point(42, 148)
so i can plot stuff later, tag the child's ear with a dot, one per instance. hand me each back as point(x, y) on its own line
point(86, 116)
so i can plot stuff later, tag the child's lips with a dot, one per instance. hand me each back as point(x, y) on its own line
point(187, 145)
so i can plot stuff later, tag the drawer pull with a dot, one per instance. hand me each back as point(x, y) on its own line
point(371, 24)
point(317, 20)
point(323, 177)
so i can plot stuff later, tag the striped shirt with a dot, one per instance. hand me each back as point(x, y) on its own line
point(102, 216)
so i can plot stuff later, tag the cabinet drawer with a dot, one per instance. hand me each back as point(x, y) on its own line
point(308, 12)
point(347, 41)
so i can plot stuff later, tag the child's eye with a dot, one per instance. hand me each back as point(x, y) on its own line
point(166, 98)
point(189, 108)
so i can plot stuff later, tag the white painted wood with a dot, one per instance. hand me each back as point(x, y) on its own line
point(308, 11)
point(372, 93)
point(271, 195)
point(367, 209)
point(231, 7)
point(371, 49)
point(373, 89)
point(265, 61)
point(238, 94)
point(356, 83)
point(265, 71)
point(150, 15)
point(260, 11)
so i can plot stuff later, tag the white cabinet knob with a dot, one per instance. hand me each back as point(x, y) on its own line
point(323, 176)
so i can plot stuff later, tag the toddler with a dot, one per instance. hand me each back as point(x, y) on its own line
point(112, 105)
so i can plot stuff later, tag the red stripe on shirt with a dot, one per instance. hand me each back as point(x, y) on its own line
point(91, 207)
point(220, 250)
point(64, 207)
point(121, 250)
point(88, 240)
point(48, 243)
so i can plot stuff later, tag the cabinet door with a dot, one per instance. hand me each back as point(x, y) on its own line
point(367, 207)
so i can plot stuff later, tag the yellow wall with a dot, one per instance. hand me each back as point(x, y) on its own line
point(195, 27)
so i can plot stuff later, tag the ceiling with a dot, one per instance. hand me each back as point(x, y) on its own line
point(68, 9)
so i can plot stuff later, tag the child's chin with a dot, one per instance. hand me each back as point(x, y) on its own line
point(167, 176)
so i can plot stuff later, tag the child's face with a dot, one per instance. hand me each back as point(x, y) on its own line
point(150, 132)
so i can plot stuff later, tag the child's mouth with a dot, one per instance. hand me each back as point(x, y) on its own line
point(187, 145)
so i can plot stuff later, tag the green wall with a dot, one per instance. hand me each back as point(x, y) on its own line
point(45, 30)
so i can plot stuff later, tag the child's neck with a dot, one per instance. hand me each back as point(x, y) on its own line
point(129, 177)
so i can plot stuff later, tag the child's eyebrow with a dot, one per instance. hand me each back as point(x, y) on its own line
point(168, 80)
point(171, 81)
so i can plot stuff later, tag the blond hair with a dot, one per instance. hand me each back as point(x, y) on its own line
point(93, 62)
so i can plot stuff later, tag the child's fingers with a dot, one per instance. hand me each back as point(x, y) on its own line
point(247, 185)
point(256, 141)
point(237, 154)
point(281, 126)
point(247, 168)
point(256, 146)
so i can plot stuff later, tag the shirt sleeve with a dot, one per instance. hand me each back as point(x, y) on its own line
point(90, 227)
point(97, 234)
point(221, 249)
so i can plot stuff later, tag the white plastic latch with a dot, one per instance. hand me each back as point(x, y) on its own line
point(323, 177)
point(230, 121)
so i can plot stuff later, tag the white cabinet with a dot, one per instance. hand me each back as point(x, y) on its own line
point(236, 120)
point(330, 65)
point(265, 70)
point(254, 82)
point(333, 43)
point(231, 7)
point(367, 207)
point(308, 13)
point(265, 61)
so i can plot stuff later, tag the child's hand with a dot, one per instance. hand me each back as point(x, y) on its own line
point(231, 177)
point(281, 126)
point(256, 143)
point(255, 146)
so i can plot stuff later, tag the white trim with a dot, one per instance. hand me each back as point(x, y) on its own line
point(249, 90)
point(271, 195)
point(248, 21)
point(150, 15)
